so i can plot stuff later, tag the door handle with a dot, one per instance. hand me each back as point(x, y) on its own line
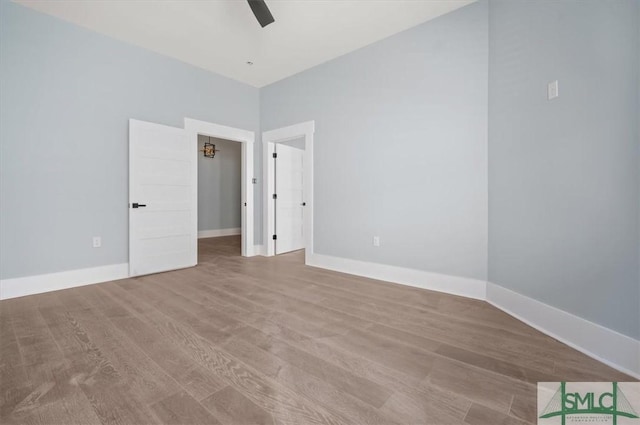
point(137, 205)
point(304, 204)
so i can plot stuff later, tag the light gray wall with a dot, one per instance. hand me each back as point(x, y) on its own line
point(564, 192)
point(219, 185)
point(67, 95)
point(400, 146)
point(219, 181)
point(295, 143)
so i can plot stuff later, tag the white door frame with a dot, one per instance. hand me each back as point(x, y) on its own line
point(269, 139)
point(195, 127)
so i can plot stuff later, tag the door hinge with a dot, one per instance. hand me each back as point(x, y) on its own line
point(275, 237)
point(275, 196)
point(275, 154)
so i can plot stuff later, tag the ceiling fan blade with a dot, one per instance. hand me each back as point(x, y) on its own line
point(260, 9)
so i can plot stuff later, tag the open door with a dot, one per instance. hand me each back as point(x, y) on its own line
point(272, 140)
point(162, 199)
point(289, 203)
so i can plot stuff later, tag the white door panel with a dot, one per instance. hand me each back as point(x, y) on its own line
point(289, 212)
point(162, 234)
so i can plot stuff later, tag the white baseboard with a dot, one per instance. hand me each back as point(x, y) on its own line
point(219, 232)
point(605, 345)
point(29, 285)
point(619, 351)
point(466, 287)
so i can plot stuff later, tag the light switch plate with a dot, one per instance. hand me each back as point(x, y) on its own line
point(552, 90)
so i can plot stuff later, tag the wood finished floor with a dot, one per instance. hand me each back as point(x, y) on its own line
point(269, 341)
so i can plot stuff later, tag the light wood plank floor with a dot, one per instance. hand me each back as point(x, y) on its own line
point(269, 340)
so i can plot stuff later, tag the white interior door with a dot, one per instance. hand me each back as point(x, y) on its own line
point(289, 209)
point(162, 198)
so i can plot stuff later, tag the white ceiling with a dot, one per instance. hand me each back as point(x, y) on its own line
point(222, 35)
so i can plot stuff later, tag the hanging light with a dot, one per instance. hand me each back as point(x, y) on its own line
point(209, 149)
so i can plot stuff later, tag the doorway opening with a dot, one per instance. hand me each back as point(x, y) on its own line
point(224, 138)
point(283, 211)
point(219, 198)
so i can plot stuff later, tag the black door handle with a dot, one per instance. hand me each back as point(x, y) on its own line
point(304, 204)
point(137, 205)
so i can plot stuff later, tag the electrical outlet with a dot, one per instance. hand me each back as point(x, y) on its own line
point(97, 241)
point(376, 241)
